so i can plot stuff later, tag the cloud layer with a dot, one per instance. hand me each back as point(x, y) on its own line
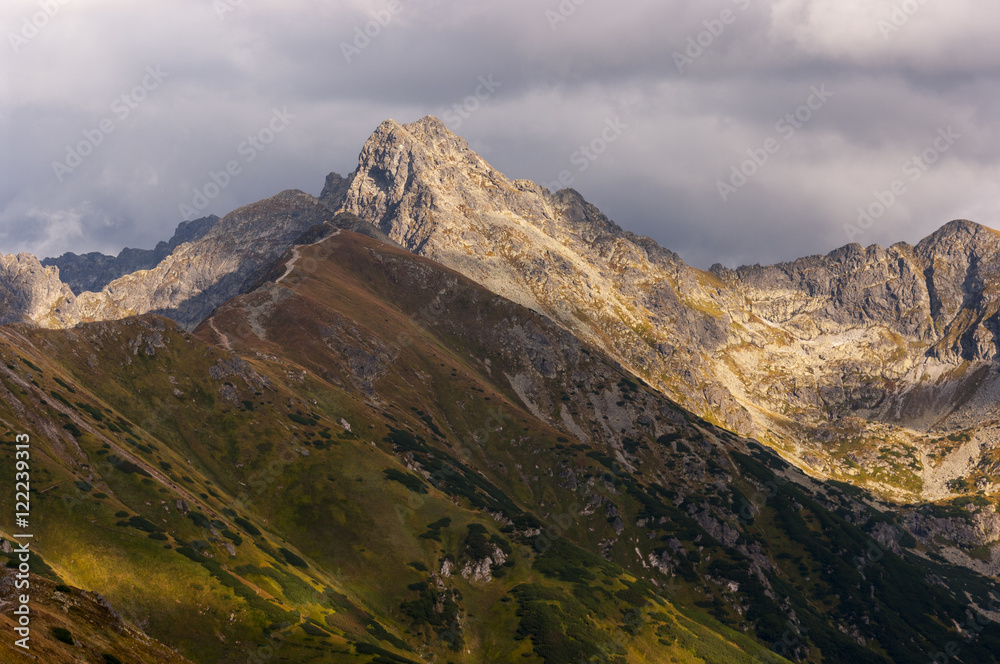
point(749, 131)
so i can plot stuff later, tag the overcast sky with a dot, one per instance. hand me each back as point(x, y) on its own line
point(745, 131)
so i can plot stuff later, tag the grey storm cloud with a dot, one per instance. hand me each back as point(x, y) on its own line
point(744, 131)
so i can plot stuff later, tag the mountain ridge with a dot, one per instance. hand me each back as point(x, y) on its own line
point(262, 481)
point(93, 271)
point(538, 410)
point(894, 344)
point(690, 332)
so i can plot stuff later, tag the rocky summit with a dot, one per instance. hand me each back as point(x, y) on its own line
point(887, 351)
point(93, 271)
point(440, 415)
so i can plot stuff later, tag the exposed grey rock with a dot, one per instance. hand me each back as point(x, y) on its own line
point(879, 341)
point(93, 271)
point(873, 343)
point(228, 394)
point(569, 479)
point(335, 190)
point(31, 292)
point(197, 277)
point(236, 366)
point(227, 258)
point(478, 570)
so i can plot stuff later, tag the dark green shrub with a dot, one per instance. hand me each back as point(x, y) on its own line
point(292, 558)
point(410, 481)
point(62, 634)
point(247, 526)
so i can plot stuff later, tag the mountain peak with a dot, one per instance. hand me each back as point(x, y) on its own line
point(429, 124)
point(960, 228)
point(93, 271)
point(964, 224)
point(960, 235)
point(428, 132)
point(407, 174)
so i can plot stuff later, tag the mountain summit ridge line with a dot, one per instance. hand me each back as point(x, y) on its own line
point(893, 342)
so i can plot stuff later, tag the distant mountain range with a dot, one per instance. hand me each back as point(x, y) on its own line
point(437, 414)
point(94, 271)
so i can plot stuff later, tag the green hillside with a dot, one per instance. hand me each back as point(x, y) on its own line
point(376, 460)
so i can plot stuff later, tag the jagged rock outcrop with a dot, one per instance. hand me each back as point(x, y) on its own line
point(229, 257)
point(335, 190)
point(859, 364)
point(902, 335)
point(199, 276)
point(861, 344)
point(207, 262)
point(552, 252)
point(93, 271)
point(31, 291)
point(941, 292)
point(961, 263)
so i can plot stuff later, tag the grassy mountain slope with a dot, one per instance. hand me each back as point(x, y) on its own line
point(371, 458)
point(857, 366)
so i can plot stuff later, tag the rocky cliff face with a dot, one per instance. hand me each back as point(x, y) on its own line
point(554, 253)
point(941, 293)
point(93, 271)
point(228, 256)
point(205, 263)
point(199, 276)
point(891, 349)
point(31, 291)
point(875, 365)
point(876, 349)
point(334, 190)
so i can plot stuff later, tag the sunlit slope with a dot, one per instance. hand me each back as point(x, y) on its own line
point(371, 458)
